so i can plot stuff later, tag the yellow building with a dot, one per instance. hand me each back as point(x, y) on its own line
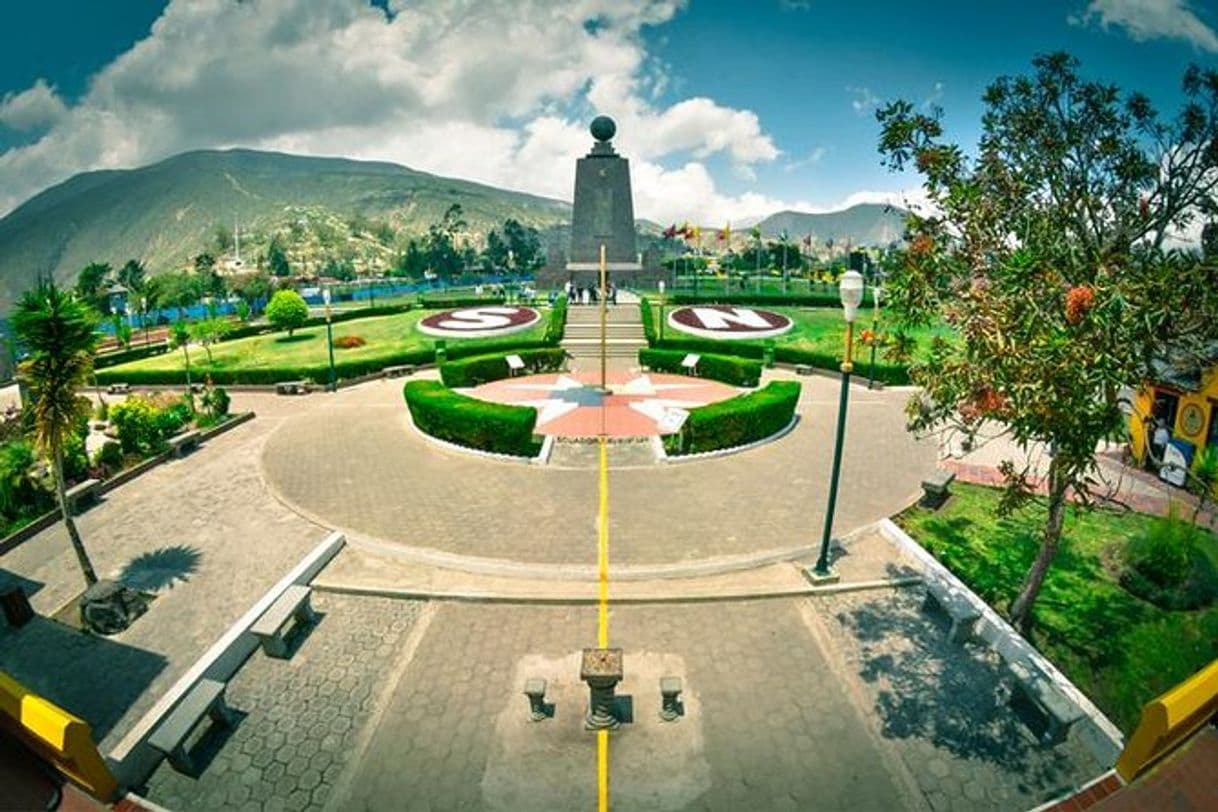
point(1184, 399)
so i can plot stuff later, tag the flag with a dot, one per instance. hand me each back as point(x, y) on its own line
point(670, 233)
point(697, 233)
point(725, 233)
point(808, 241)
point(756, 233)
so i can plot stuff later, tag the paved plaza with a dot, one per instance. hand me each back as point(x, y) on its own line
point(401, 699)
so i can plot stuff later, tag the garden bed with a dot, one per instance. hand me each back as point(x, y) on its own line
point(1121, 650)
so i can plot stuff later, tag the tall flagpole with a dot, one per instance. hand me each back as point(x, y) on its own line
point(604, 317)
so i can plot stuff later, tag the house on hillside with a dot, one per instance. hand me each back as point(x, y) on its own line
point(1183, 400)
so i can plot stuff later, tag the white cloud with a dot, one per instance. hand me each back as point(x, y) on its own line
point(864, 100)
point(1151, 19)
point(813, 157)
point(37, 106)
point(498, 91)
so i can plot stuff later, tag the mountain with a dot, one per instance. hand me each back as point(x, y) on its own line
point(864, 224)
point(166, 213)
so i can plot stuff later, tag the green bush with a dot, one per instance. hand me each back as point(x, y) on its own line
point(738, 421)
point(557, 323)
point(21, 493)
point(479, 369)
point(711, 346)
point(216, 401)
point(1167, 567)
point(287, 310)
point(648, 318)
point(725, 368)
point(885, 371)
point(829, 298)
point(109, 457)
point(109, 359)
point(444, 302)
point(143, 424)
point(466, 421)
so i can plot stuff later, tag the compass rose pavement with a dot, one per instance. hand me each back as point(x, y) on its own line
point(572, 405)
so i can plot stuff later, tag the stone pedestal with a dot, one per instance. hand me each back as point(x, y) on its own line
point(601, 668)
point(603, 213)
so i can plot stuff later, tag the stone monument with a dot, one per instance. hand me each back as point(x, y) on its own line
point(602, 214)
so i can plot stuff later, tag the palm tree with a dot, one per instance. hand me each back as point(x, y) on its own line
point(179, 336)
point(58, 331)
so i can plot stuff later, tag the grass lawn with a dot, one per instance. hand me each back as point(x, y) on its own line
point(1119, 649)
point(819, 330)
point(386, 336)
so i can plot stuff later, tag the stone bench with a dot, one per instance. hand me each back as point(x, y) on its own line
point(935, 489)
point(399, 371)
point(118, 388)
point(271, 628)
point(293, 388)
point(86, 491)
point(803, 369)
point(1059, 711)
point(690, 363)
point(179, 444)
point(204, 700)
point(956, 603)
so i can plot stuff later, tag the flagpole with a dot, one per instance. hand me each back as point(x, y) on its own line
point(604, 317)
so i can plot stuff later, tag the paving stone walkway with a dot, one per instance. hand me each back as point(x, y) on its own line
point(355, 463)
point(301, 719)
point(934, 701)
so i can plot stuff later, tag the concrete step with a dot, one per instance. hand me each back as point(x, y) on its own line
point(611, 330)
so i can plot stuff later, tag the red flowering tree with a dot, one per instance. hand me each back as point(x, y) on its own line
point(1047, 254)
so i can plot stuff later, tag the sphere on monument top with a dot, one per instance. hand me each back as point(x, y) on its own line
point(603, 128)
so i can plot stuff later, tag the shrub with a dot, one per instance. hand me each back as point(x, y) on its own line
point(557, 323)
point(725, 368)
point(143, 424)
point(287, 310)
point(21, 493)
point(75, 458)
point(1164, 554)
point(738, 421)
point(349, 342)
point(109, 457)
point(109, 359)
point(828, 298)
point(479, 369)
point(102, 411)
point(1167, 567)
point(216, 401)
point(648, 318)
point(466, 421)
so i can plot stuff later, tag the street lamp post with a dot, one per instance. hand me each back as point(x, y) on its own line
point(876, 293)
point(851, 291)
point(325, 297)
point(144, 317)
point(661, 284)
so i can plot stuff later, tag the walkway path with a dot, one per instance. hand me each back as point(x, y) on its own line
point(355, 463)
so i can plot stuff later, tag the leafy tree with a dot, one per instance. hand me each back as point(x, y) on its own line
point(132, 275)
point(91, 284)
point(287, 310)
point(60, 334)
point(179, 336)
point(525, 244)
point(277, 258)
point(412, 262)
point(122, 330)
point(180, 290)
point(251, 287)
point(1046, 259)
point(222, 237)
point(440, 251)
point(242, 309)
point(209, 331)
point(496, 253)
point(340, 269)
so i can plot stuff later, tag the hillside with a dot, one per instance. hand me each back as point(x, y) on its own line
point(166, 213)
point(864, 224)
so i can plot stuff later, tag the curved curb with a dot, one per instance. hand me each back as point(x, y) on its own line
point(662, 456)
point(539, 599)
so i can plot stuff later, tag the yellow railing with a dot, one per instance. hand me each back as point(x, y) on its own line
point(56, 735)
point(1169, 720)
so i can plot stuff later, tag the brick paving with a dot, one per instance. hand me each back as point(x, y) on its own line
point(356, 464)
point(302, 719)
point(934, 701)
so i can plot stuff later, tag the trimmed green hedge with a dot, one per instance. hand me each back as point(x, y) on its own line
point(442, 302)
point(737, 421)
point(262, 328)
point(479, 369)
point(466, 421)
point(825, 299)
point(726, 368)
point(557, 323)
point(885, 371)
point(648, 317)
point(110, 359)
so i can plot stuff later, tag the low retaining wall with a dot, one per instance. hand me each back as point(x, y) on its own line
point(134, 760)
point(1095, 730)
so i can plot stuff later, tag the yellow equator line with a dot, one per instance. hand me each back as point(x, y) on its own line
point(602, 623)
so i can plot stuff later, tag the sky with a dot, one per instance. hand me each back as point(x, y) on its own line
point(729, 110)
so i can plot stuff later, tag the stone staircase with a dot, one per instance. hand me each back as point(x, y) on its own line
point(623, 331)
